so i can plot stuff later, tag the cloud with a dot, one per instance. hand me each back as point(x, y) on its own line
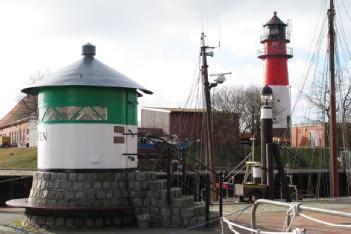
point(154, 42)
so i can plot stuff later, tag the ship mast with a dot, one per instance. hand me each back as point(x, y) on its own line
point(206, 85)
point(333, 169)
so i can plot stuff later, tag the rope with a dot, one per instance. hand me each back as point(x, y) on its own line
point(13, 179)
point(291, 212)
point(232, 171)
point(231, 226)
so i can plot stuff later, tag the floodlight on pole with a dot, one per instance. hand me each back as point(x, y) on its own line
point(220, 79)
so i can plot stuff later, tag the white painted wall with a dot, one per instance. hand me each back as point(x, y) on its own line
point(281, 104)
point(156, 118)
point(84, 146)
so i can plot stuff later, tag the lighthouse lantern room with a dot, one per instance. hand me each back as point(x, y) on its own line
point(275, 55)
point(87, 117)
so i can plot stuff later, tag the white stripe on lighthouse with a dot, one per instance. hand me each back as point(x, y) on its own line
point(281, 105)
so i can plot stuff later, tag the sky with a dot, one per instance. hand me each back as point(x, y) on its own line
point(154, 42)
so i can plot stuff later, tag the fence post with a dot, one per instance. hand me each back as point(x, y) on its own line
point(169, 176)
point(220, 193)
point(183, 174)
point(270, 175)
point(208, 192)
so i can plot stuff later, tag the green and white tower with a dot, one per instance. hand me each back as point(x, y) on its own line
point(87, 117)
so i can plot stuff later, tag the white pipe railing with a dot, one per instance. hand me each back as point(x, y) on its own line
point(300, 208)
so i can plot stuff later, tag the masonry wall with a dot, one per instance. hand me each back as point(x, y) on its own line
point(81, 200)
point(307, 136)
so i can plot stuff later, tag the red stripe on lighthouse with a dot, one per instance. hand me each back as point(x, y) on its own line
point(275, 63)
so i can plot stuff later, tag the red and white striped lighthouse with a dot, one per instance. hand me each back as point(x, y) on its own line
point(275, 55)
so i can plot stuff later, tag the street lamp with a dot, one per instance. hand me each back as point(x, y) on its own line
point(267, 138)
point(267, 96)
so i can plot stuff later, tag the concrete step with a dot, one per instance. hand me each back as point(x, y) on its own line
point(199, 208)
point(157, 185)
point(176, 192)
point(183, 202)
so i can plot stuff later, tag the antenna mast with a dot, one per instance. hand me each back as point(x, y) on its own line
point(333, 169)
point(209, 135)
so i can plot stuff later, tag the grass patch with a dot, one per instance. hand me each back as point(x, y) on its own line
point(18, 158)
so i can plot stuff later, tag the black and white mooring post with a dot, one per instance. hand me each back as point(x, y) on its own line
point(266, 134)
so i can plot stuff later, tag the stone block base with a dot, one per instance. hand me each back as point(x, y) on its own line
point(67, 222)
point(105, 199)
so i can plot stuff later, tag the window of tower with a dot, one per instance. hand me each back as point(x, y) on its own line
point(72, 113)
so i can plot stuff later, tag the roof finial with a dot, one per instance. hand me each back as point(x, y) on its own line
point(275, 13)
point(88, 50)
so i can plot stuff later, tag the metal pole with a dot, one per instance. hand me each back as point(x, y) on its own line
point(207, 202)
point(209, 135)
point(206, 85)
point(183, 174)
point(333, 169)
point(281, 173)
point(220, 194)
point(270, 176)
point(266, 137)
point(169, 164)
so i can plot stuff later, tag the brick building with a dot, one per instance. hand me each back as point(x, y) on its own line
point(188, 123)
point(20, 124)
point(316, 135)
point(308, 135)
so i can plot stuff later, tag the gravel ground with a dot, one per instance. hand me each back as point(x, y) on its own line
point(268, 218)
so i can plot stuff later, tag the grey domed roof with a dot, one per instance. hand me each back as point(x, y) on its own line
point(87, 71)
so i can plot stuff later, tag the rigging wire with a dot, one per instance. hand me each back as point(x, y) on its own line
point(343, 61)
point(311, 66)
point(346, 11)
point(310, 61)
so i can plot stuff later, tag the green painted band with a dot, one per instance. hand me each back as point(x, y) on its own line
point(121, 103)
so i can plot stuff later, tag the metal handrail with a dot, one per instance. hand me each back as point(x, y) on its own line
point(171, 149)
point(185, 165)
point(176, 149)
point(180, 181)
point(288, 204)
point(287, 51)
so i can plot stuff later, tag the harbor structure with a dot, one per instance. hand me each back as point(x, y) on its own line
point(87, 147)
point(87, 117)
point(87, 156)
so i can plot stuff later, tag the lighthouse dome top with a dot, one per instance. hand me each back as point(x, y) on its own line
point(275, 20)
point(87, 71)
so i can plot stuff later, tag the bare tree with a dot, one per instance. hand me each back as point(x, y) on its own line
point(229, 99)
point(243, 101)
point(30, 102)
point(252, 109)
point(318, 98)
